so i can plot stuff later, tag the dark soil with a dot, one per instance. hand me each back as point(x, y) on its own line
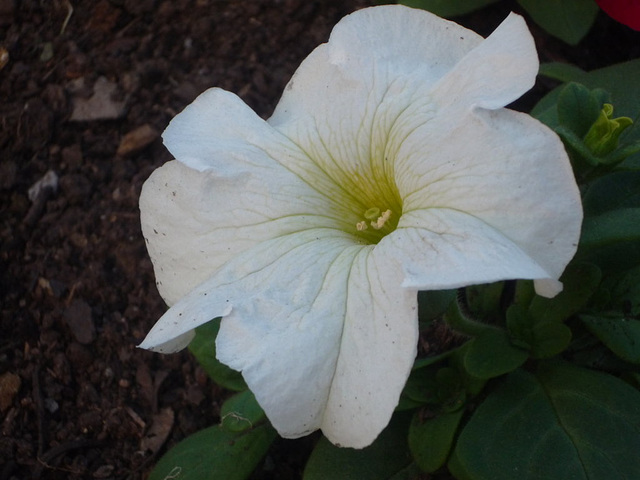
point(85, 91)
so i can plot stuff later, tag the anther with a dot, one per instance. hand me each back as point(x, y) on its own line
point(379, 223)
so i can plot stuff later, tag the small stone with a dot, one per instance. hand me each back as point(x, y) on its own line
point(49, 180)
point(102, 105)
point(137, 139)
point(51, 405)
point(78, 317)
point(4, 57)
point(9, 386)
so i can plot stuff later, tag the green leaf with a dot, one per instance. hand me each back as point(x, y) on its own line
point(549, 339)
point(543, 339)
point(241, 412)
point(472, 384)
point(386, 457)
point(580, 281)
point(424, 362)
point(492, 354)
point(620, 335)
point(430, 440)
point(614, 191)
point(421, 385)
point(520, 325)
point(203, 347)
point(562, 423)
point(611, 240)
point(568, 20)
point(484, 301)
point(433, 303)
point(448, 8)
point(579, 108)
point(625, 295)
point(215, 454)
point(443, 388)
point(564, 72)
point(412, 472)
point(619, 293)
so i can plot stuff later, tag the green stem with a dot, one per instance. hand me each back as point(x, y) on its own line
point(458, 318)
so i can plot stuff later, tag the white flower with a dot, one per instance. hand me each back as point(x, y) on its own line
point(388, 167)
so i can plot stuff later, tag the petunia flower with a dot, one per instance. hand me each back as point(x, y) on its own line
point(626, 12)
point(389, 166)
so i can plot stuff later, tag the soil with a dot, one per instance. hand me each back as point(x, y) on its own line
point(86, 87)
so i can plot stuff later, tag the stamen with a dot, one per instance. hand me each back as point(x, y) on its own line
point(378, 224)
point(360, 226)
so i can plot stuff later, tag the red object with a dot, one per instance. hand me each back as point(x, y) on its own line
point(623, 11)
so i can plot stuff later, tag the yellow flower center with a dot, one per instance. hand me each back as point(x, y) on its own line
point(376, 224)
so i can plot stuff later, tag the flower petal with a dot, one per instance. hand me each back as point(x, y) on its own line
point(500, 167)
point(378, 348)
point(495, 73)
point(343, 99)
point(235, 195)
point(445, 248)
point(272, 280)
point(328, 342)
point(285, 338)
point(320, 326)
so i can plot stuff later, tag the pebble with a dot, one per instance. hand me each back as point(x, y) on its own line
point(137, 139)
point(49, 180)
point(9, 386)
point(78, 317)
point(102, 105)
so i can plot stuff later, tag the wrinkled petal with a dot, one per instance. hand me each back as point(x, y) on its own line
point(459, 249)
point(264, 277)
point(232, 194)
point(495, 73)
point(337, 362)
point(342, 101)
point(511, 172)
point(322, 337)
point(377, 350)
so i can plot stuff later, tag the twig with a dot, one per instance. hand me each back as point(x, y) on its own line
point(68, 17)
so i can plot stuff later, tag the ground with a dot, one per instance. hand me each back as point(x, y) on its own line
point(85, 89)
